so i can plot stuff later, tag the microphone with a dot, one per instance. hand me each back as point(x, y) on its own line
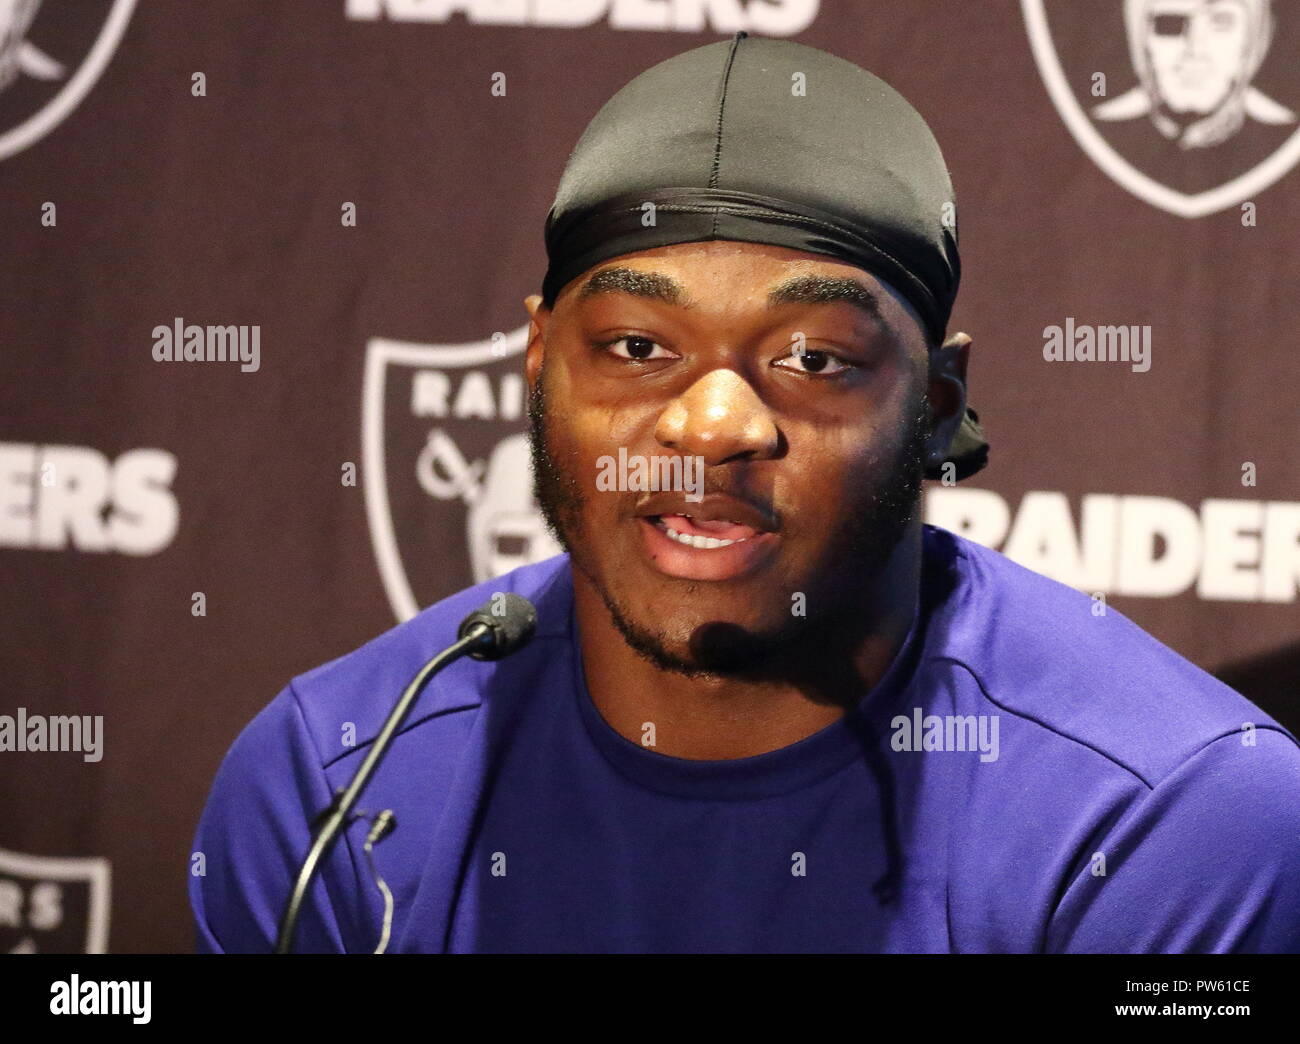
point(502, 626)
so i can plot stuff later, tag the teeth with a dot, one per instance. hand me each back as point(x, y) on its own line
point(703, 542)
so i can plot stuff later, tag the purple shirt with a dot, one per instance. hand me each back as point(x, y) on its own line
point(1028, 776)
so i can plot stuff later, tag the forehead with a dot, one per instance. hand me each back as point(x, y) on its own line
point(727, 276)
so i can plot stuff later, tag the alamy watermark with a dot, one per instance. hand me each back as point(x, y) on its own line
point(636, 473)
point(1083, 343)
point(194, 343)
point(72, 996)
point(926, 732)
point(38, 732)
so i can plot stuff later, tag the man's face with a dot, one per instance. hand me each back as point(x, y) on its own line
point(798, 379)
point(1197, 51)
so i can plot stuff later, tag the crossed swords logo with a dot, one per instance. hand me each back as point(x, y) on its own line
point(458, 479)
point(17, 54)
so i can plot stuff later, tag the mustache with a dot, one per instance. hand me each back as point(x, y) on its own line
point(726, 485)
point(719, 503)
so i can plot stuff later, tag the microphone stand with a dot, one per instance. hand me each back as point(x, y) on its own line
point(479, 635)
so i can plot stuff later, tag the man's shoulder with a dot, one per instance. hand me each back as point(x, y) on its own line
point(1050, 654)
point(359, 689)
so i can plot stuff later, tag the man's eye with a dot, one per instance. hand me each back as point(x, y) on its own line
point(638, 349)
point(811, 360)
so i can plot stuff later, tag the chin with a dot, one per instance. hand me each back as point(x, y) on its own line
point(676, 617)
point(708, 633)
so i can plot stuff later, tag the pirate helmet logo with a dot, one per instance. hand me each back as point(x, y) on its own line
point(446, 467)
point(1195, 62)
point(1198, 130)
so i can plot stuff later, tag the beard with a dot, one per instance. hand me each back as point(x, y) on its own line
point(857, 555)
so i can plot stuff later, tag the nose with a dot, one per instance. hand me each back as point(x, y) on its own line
point(720, 418)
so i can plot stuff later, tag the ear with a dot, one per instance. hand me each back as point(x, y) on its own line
point(947, 393)
point(539, 315)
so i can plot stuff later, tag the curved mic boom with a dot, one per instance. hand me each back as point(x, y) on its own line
point(503, 626)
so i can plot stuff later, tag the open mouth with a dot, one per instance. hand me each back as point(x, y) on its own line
point(697, 549)
point(702, 534)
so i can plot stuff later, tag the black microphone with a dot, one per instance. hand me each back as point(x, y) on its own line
point(503, 626)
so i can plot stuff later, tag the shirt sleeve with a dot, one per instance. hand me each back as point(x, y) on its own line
point(1208, 861)
point(253, 835)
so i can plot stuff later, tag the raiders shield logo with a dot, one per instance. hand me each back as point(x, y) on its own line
point(51, 54)
point(1188, 104)
point(445, 466)
point(50, 904)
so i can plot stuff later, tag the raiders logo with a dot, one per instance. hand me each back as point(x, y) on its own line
point(1188, 104)
point(50, 904)
point(445, 466)
point(51, 54)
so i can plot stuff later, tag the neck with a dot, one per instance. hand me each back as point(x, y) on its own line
point(714, 717)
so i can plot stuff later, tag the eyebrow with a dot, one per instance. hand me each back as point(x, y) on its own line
point(806, 289)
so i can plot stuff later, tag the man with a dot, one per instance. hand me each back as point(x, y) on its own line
point(775, 712)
